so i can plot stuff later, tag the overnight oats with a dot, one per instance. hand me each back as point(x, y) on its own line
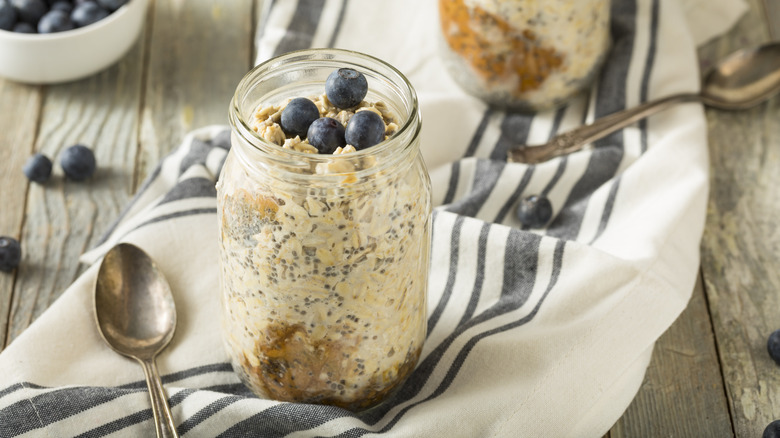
point(524, 54)
point(324, 211)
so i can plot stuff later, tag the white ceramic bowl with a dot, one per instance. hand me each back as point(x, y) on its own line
point(73, 54)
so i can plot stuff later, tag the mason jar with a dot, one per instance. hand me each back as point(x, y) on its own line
point(524, 54)
point(324, 258)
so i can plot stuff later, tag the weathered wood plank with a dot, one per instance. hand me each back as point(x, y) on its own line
point(20, 106)
point(741, 245)
point(682, 394)
point(772, 10)
point(65, 218)
point(197, 56)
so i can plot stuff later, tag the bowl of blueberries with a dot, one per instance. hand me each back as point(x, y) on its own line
point(51, 41)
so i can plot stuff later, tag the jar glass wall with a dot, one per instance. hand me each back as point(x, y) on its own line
point(324, 258)
point(524, 54)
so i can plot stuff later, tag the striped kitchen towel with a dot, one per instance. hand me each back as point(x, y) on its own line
point(538, 333)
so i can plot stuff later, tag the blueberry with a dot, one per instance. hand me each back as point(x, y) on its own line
point(55, 21)
point(365, 129)
point(535, 211)
point(326, 134)
point(22, 27)
point(772, 430)
point(7, 15)
point(30, 11)
point(111, 5)
point(222, 140)
point(38, 168)
point(773, 346)
point(87, 13)
point(78, 162)
point(298, 115)
point(61, 5)
point(10, 253)
point(346, 87)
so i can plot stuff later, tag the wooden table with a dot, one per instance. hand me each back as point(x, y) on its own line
point(710, 374)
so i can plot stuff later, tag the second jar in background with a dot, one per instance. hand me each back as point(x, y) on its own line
point(524, 54)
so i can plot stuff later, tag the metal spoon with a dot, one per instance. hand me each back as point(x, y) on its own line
point(136, 316)
point(740, 81)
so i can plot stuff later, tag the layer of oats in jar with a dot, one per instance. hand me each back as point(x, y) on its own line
point(530, 54)
point(324, 286)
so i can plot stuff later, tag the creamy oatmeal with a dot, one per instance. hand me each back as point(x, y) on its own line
point(324, 284)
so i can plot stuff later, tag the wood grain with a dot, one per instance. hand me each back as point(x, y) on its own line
point(682, 394)
point(741, 245)
point(65, 218)
point(20, 106)
point(196, 59)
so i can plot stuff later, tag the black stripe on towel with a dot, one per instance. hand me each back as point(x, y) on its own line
point(339, 23)
point(479, 278)
point(649, 62)
point(608, 152)
point(453, 272)
point(57, 404)
point(302, 26)
point(476, 138)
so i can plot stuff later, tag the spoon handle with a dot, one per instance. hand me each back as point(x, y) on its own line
point(576, 139)
point(163, 420)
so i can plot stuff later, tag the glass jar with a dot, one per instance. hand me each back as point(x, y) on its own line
point(324, 258)
point(524, 54)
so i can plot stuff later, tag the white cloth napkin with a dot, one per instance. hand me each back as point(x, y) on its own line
point(532, 332)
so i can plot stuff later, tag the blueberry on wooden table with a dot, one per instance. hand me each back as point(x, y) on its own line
point(298, 115)
point(55, 21)
point(7, 15)
point(30, 11)
point(365, 129)
point(534, 211)
point(773, 346)
point(10, 253)
point(78, 162)
point(87, 13)
point(346, 88)
point(772, 430)
point(38, 168)
point(326, 134)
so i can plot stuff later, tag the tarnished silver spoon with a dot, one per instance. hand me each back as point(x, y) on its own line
point(740, 81)
point(136, 316)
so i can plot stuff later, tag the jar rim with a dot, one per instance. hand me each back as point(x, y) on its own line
point(260, 144)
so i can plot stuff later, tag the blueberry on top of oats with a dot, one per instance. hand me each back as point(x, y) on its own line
point(326, 134)
point(346, 88)
point(365, 129)
point(298, 115)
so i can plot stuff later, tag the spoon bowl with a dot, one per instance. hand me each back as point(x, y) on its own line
point(740, 81)
point(136, 316)
point(133, 303)
point(743, 79)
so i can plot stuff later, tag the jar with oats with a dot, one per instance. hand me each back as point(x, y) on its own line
point(324, 257)
point(524, 54)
